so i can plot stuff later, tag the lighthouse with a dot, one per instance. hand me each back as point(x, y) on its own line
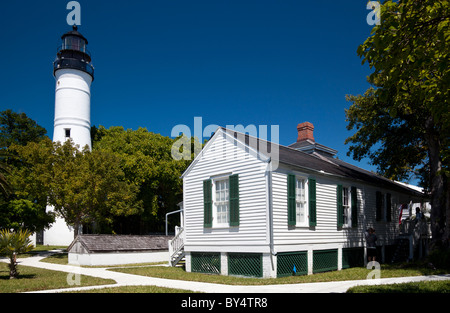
point(74, 73)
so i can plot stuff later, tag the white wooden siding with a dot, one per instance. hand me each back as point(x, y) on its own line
point(224, 156)
point(385, 231)
point(326, 232)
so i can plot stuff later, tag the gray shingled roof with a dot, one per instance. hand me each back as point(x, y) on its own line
point(309, 145)
point(322, 165)
point(121, 243)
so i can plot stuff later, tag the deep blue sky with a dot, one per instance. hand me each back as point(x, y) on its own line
point(161, 63)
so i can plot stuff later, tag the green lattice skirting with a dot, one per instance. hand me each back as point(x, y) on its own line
point(245, 264)
point(325, 260)
point(292, 263)
point(205, 262)
point(352, 257)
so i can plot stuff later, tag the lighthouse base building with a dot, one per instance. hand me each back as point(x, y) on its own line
point(59, 234)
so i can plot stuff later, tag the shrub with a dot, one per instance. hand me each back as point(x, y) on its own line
point(13, 243)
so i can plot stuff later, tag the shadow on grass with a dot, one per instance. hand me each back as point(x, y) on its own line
point(424, 267)
point(5, 276)
point(59, 256)
point(434, 287)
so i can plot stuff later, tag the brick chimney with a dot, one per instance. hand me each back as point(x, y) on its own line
point(305, 131)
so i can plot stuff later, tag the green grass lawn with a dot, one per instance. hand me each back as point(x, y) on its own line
point(59, 258)
point(356, 273)
point(40, 249)
point(416, 287)
point(33, 279)
point(135, 289)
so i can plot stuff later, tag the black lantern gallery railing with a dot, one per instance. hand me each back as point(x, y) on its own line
point(74, 58)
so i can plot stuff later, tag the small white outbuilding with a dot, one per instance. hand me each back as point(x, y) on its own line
point(118, 249)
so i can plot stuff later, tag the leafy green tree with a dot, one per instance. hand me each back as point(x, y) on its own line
point(83, 187)
point(4, 186)
point(19, 129)
point(147, 162)
point(13, 243)
point(29, 178)
point(402, 121)
point(89, 187)
point(23, 213)
point(25, 201)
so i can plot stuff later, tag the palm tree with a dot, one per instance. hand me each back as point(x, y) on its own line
point(13, 243)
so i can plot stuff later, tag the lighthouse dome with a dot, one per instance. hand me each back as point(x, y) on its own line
point(74, 33)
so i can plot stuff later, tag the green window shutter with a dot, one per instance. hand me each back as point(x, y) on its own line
point(291, 200)
point(378, 205)
point(234, 200)
point(388, 208)
point(207, 203)
point(312, 202)
point(340, 206)
point(354, 207)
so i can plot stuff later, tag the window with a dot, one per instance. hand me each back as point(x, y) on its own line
point(354, 206)
point(300, 199)
point(380, 207)
point(346, 210)
point(68, 43)
point(388, 208)
point(221, 201)
point(347, 206)
point(67, 132)
point(74, 43)
point(221, 214)
point(383, 207)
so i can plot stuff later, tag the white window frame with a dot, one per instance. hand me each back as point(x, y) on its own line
point(347, 208)
point(299, 201)
point(215, 220)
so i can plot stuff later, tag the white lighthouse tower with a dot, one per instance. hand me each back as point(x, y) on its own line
point(74, 74)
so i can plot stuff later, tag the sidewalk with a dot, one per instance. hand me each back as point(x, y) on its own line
point(123, 279)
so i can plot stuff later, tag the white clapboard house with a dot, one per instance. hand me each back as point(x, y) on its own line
point(256, 208)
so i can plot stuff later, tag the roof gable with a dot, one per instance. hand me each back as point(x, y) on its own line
point(243, 141)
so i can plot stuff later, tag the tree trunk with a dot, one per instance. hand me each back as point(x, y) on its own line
point(13, 267)
point(76, 227)
point(447, 213)
point(438, 191)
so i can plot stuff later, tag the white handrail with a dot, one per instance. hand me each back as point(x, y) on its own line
point(177, 243)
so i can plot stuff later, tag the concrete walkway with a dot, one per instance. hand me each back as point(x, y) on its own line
point(123, 279)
